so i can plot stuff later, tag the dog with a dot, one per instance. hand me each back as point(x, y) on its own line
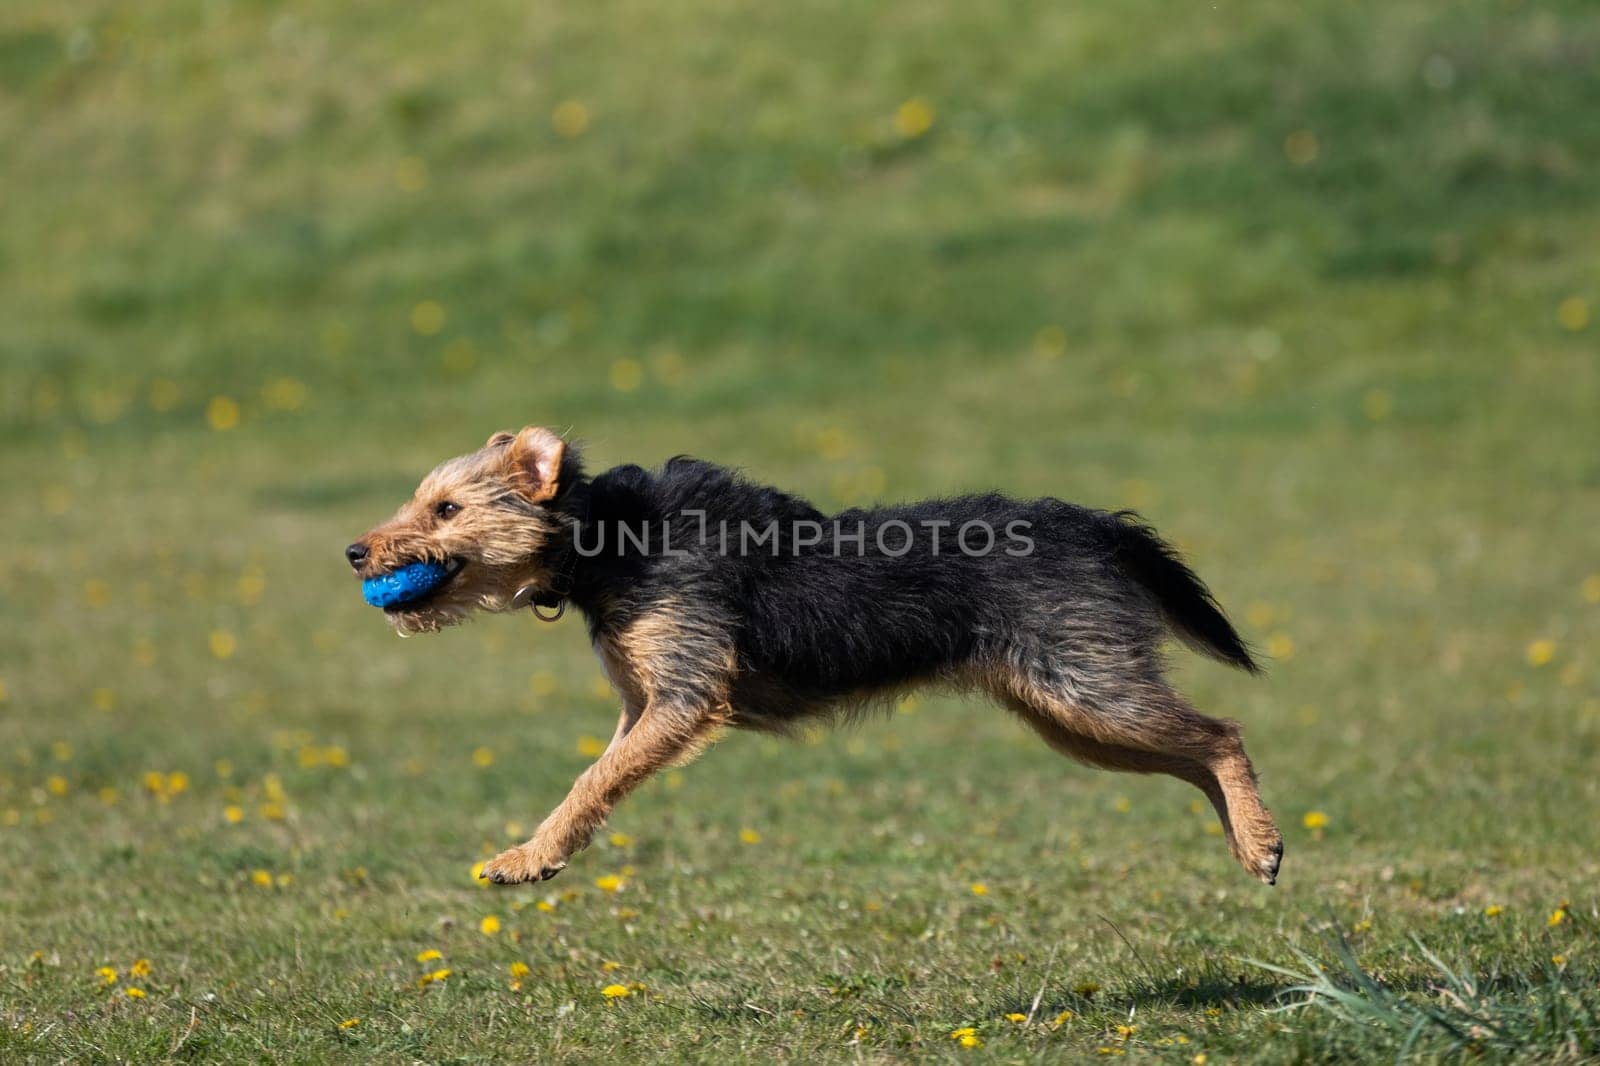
point(714, 602)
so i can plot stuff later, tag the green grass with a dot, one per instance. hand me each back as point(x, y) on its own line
point(1314, 288)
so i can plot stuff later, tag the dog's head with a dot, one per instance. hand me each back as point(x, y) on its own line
point(488, 521)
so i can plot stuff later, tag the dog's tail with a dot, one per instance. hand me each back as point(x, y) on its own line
point(1185, 602)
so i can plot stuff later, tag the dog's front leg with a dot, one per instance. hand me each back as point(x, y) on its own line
point(657, 737)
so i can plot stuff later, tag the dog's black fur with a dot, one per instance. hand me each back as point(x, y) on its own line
point(817, 626)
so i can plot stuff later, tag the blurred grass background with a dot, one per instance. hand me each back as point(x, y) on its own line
point(1314, 288)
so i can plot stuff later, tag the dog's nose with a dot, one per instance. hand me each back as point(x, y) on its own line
point(357, 554)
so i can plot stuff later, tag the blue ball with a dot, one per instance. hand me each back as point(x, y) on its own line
point(401, 586)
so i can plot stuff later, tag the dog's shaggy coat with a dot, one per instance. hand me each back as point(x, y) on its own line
point(714, 602)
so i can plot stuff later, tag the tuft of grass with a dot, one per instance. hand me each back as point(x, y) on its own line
point(1551, 1014)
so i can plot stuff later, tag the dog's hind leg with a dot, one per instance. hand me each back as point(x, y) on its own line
point(1148, 728)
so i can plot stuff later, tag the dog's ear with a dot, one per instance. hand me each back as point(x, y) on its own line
point(500, 440)
point(533, 462)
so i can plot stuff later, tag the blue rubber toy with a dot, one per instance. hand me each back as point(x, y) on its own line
point(401, 586)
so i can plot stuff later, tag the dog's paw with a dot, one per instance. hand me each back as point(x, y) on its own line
point(1266, 859)
point(523, 864)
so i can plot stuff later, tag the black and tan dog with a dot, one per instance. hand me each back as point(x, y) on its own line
point(715, 602)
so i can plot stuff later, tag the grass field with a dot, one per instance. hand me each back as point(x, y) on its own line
point(1314, 287)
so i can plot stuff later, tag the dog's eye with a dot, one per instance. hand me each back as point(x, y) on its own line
point(447, 509)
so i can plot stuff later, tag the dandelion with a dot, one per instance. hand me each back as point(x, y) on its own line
point(1557, 916)
point(140, 968)
point(570, 119)
point(429, 955)
point(1280, 646)
point(1559, 960)
point(749, 836)
point(1540, 652)
point(980, 889)
point(965, 1030)
point(350, 1023)
point(1314, 820)
point(610, 966)
point(482, 757)
point(590, 747)
point(434, 977)
point(222, 413)
point(1199, 1060)
point(107, 975)
point(913, 118)
point(1493, 910)
point(261, 878)
point(57, 785)
point(222, 643)
point(490, 925)
point(1590, 588)
point(1017, 1018)
point(519, 969)
point(621, 840)
point(626, 375)
point(616, 992)
point(477, 875)
point(1063, 1018)
point(544, 906)
point(609, 883)
point(1573, 313)
point(427, 317)
point(1122, 805)
point(134, 993)
point(970, 1040)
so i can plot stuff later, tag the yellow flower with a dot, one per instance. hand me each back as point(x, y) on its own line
point(1557, 916)
point(477, 874)
point(1015, 1017)
point(261, 878)
point(980, 889)
point(1064, 1017)
point(544, 906)
point(482, 757)
point(621, 840)
point(490, 925)
point(350, 1023)
point(1125, 1031)
point(1559, 960)
point(222, 643)
point(590, 747)
point(971, 1040)
point(222, 413)
point(134, 993)
point(140, 968)
point(57, 785)
point(570, 119)
point(1493, 910)
point(177, 782)
point(107, 975)
point(519, 969)
point(1280, 646)
point(436, 975)
point(1314, 820)
point(233, 814)
point(427, 317)
point(615, 991)
point(1199, 1060)
point(1573, 313)
point(608, 883)
point(1541, 651)
point(965, 1030)
point(1591, 588)
point(626, 375)
point(749, 836)
point(913, 118)
point(429, 955)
